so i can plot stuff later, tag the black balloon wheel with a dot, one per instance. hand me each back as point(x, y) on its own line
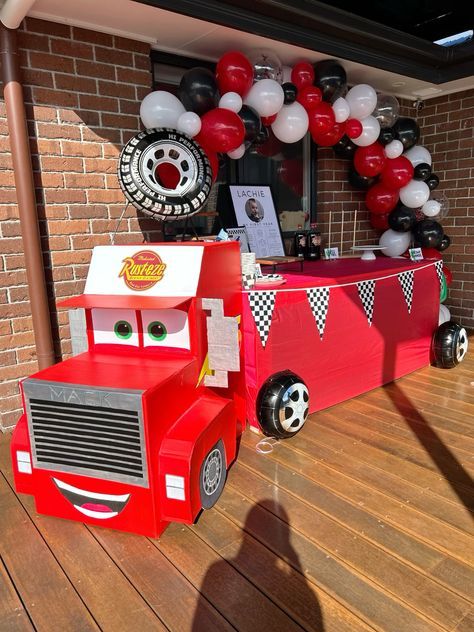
point(212, 476)
point(450, 345)
point(139, 178)
point(283, 405)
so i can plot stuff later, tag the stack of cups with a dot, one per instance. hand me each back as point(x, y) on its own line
point(247, 262)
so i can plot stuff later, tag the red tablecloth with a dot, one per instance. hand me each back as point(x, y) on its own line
point(344, 326)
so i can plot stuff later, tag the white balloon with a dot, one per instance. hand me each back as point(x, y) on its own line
point(394, 149)
point(235, 154)
point(395, 243)
point(266, 97)
point(362, 100)
point(431, 208)
point(291, 123)
point(189, 123)
point(370, 132)
point(341, 109)
point(418, 154)
point(286, 74)
point(160, 109)
point(231, 101)
point(444, 314)
point(414, 194)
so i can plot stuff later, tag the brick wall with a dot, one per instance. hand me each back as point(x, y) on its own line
point(83, 90)
point(447, 130)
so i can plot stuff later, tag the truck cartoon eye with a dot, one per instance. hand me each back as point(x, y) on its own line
point(166, 328)
point(157, 331)
point(115, 326)
point(123, 330)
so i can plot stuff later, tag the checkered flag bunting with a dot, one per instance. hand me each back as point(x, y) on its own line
point(439, 270)
point(406, 281)
point(366, 291)
point(248, 281)
point(318, 299)
point(261, 306)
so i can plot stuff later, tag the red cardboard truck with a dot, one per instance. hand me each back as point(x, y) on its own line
point(140, 429)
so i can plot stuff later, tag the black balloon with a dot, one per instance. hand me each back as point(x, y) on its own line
point(262, 137)
point(422, 171)
point(386, 136)
point(330, 78)
point(252, 123)
point(428, 233)
point(198, 90)
point(432, 181)
point(290, 91)
point(445, 243)
point(402, 219)
point(345, 148)
point(407, 131)
point(358, 181)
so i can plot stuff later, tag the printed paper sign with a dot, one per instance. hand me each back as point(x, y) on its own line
point(331, 253)
point(416, 254)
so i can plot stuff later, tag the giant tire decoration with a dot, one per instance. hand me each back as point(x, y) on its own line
point(137, 167)
point(450, 345)
point(282, 405)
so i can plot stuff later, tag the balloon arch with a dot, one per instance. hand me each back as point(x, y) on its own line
point(250, 98)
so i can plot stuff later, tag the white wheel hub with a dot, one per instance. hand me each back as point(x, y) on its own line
point(462, 345)
point(294, 407)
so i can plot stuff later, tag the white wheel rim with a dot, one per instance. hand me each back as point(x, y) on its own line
point(294, 407)
point(462, 345)
point(172, 153)
point(212, 472)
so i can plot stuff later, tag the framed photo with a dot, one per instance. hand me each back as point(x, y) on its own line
point(254, 209)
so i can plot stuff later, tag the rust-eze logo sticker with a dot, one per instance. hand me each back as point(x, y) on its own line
point(142, 270)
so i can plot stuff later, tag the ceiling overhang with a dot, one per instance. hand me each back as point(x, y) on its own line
point(319, 27)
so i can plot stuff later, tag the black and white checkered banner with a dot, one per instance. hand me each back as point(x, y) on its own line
point(318, 299)
point(366, 291)
point(439, 271)
point(261, 306)
point(406, 281)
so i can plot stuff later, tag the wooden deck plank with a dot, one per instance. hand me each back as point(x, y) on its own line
point(13, 616)
point(366, 600)
point(409, 586)
point(236, 598)
point(282, 581)
point(389, 483)
point(46, 591)
point(167, 591)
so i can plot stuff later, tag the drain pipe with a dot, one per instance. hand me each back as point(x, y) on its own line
point(25, 191)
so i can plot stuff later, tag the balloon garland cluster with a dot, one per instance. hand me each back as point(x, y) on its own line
point(230, 110)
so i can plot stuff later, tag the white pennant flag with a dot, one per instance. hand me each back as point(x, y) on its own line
point(261, 306)
point(318, 299)
point(406, 281)
point(366, 291)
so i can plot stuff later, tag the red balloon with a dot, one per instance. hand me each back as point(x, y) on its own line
point(168, 175)
point(369, 161)
point(380, 200)
point(302, 74)
point(448, 275)
point(291, 173)
point(221, 130)
point(234, 73)
point(353, 128)
point(321, 118)
point(269, 120)
point(379, 222)
point(397, 172)
point(330, 138)
point(309, 96)
point(271, 147)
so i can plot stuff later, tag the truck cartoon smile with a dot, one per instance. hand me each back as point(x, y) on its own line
point(92, 504)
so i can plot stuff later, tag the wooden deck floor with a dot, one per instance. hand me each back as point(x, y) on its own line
point(360, 522)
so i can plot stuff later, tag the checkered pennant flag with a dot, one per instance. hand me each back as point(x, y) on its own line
point(366, 291)
point(318, 299)
point(261, 305)
point(406, 281)
point(439, 270)
point(248, 281)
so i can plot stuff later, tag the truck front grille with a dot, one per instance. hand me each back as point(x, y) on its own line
point(94, 432)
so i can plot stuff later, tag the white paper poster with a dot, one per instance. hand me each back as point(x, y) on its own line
point(254, 209)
